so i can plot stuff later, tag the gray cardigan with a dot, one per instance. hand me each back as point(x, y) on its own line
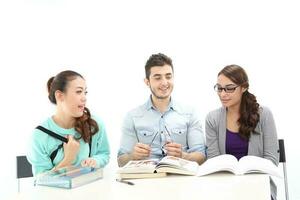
point(263, 141)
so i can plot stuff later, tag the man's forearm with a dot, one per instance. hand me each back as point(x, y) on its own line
point(124, 159)
point(194, 156)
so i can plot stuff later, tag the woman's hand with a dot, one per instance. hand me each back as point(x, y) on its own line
point(89, 162)
point(71, 149)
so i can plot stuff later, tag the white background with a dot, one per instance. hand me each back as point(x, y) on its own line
point(108, 42)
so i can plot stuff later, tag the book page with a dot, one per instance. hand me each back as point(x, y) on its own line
point(173, 164)
point(255, 164)
point(139, 166)
point(219, 163)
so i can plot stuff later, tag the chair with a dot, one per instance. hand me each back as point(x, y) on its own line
point(283, 161)
point(24, 169)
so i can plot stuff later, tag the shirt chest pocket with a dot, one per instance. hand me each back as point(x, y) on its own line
point(179, 135)
point(145, 136)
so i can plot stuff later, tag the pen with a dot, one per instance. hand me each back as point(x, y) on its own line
point(126, 182)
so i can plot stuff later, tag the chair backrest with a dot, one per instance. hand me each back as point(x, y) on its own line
point(23, 167)
point(281, 151)
point(283, 161)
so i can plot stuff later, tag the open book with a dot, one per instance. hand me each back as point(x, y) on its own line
point(247, 164)
point(69, 177)
point(157, 168)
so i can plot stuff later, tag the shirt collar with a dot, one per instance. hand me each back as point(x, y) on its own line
point(149, 105)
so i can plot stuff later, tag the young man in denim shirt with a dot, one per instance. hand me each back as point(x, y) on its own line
point(161, 126)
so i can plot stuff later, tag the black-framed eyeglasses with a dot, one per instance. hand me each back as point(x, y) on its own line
point(228, 88)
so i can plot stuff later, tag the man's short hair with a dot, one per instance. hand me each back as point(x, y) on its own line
point(157, 60)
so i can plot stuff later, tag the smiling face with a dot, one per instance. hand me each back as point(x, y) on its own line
point(160, 81)
point(73, 100)
point(232, 97)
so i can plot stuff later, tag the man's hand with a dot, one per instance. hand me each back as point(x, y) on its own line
point(140, 151)
point(174, 149)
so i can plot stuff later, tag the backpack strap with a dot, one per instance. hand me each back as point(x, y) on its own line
point(54, 153)
point(52, 134)
point(55, 135)
point(61, 138)
point(90, 147)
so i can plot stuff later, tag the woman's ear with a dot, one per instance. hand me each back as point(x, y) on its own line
point(59, 96)
point(244, 89)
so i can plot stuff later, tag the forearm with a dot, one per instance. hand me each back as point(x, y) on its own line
point(124, 159)
point(194, 156)
point(63, 163)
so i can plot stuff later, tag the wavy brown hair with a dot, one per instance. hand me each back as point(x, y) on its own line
point(249, 109)
point(84, 125)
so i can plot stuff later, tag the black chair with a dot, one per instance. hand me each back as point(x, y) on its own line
point(283, 161)
point(24, 169)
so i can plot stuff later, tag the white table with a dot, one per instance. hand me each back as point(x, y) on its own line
point(218, 186)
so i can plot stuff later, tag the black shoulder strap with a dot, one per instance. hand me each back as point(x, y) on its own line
point(51, 133)
point(55, 135)
point(54, 153)
point(90, 146)
point(61, 138)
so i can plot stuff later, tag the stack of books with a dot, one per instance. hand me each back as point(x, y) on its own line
point(154, 168)
point(69, 177)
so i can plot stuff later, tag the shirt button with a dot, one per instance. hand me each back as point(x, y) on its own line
point(161, 132)
point(162, 116)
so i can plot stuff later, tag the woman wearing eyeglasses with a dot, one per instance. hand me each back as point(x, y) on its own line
point(241, 126)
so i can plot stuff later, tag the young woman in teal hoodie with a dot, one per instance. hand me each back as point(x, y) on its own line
point(85, 143)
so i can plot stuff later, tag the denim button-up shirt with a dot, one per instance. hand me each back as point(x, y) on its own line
point(147, 125)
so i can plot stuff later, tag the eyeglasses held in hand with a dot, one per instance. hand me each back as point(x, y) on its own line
point(168, 140)
point(228, 88)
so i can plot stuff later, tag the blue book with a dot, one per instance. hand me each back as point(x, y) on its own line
point(69, 177)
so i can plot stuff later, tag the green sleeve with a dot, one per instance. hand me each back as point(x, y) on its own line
point(38, 154)
point(100, 146)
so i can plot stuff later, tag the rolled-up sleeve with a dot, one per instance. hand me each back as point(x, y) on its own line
point(195, 136)
point(129, 136)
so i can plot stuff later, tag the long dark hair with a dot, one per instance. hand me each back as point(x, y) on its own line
point(85, 125)
point(249, 109)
